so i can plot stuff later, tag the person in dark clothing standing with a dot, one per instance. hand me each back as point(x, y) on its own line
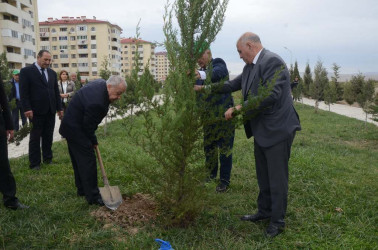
point(87, 108)
point(15, 94)
point(295, 83)
point(41, 100)
point(219, 135)
point(7, 182)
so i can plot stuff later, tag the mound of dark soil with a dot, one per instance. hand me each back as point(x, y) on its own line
point(133, 213)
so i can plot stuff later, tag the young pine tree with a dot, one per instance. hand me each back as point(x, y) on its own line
point(319, 83)
point(307, 80)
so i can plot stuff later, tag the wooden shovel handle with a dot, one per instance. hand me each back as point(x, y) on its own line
point(104, 177)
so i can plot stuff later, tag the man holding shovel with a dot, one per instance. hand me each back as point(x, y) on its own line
point(87, 108)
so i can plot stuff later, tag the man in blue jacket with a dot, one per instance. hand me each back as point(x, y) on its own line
point(218, 133)
point(87, 108)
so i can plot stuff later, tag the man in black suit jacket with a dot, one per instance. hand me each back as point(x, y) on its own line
point(41, 100)
point(7, 182)
point(273, 128)
point(218, 135)
point(87, 108)
point(15, 94)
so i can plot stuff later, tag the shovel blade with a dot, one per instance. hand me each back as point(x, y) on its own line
point(111, 196)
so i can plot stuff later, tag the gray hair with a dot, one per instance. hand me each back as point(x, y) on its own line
point(115, 81)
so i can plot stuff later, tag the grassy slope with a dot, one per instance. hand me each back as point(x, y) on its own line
point(334, 164)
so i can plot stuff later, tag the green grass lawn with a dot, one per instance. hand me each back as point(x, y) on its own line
point(334, 164)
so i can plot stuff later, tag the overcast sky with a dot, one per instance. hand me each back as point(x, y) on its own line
point(333, 31)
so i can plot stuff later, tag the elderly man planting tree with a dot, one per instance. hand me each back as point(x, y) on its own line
point(273, 128)
point(86, 110)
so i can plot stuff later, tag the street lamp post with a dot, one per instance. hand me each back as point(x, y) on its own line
point(291, 55)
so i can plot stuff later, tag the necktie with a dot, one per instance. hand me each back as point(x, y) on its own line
point(43, 74)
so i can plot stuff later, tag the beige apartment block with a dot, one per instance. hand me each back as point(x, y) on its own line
point(146, 52)
point(18, 31)
point(82, 44)
point(162, 66)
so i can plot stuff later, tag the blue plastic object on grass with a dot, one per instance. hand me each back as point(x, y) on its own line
point(164, 245)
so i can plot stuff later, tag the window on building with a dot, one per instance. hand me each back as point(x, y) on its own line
point(55, 56)
point(93, 37)
point(73, 46)
point(81, 28)
point(45, 47)
point(93, 29)
point(94, 55)
point(73, 55)
point(63, 29)
point(72, 38)
point(14, 34)
point(94, 73)
point(72, 29)
point(53, 30)
point(83, 64)
point(63, 47)
point(55, 65)
point(44, 38)
point(140, 46)
point(82, 46)
point(94, 64)
point(54, 39)
point(81, 37)
point(54, 47)
point(83, 55)
point(93, 46)
point(74, 65)
point(63, 55)
point(65, 65)
point(62, 38)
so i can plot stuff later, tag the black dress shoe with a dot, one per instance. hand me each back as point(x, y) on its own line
point(47, 161)
point(254, 217)
point(273, 230)
point(16, 205)
point(97, 201)
point(221, 188)
point(36, 167)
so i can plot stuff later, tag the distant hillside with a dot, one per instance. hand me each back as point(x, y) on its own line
point(343, 77)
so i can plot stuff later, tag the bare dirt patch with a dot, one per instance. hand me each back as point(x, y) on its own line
point(132, 214)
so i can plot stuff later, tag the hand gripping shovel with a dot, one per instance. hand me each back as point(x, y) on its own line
point(111, 196)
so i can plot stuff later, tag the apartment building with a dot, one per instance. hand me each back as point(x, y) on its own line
point(82, 44)
point(146, 52)
point(162, 66)
point(18, 31)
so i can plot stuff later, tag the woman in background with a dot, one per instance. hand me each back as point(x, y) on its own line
point(66, 88)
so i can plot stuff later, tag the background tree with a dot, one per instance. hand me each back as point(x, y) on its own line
point(335, 79)
point(105, 72)
point(366, 97)
point(6, 73)
point(319, 83)
point(307, 80)
point(373, 108)
point(353, 88)
point(330, 94)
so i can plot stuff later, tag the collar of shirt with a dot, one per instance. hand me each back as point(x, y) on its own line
point(257, 57)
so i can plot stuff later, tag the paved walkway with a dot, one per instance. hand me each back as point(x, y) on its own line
point(342, 109)
point(353, 112)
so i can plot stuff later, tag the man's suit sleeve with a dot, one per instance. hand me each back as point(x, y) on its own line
point(228, 86)
point(24, 89)
point(5, 108)
point(93, 115)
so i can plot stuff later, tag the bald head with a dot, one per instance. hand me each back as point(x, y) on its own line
point(250, 37)
point(248, 46)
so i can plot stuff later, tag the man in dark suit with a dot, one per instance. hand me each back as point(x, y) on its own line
point(273, 127)
point(218, 134)
point(15, 94)
point(41, 100)
point(87, 108)
point(7, 182)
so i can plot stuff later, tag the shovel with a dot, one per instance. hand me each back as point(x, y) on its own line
point(110, 195)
